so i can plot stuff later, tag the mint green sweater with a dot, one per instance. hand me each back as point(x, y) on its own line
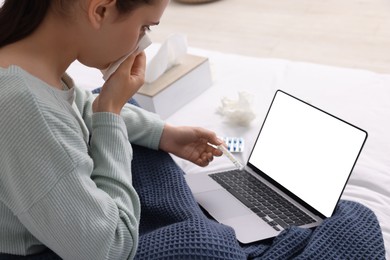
point(58, 188)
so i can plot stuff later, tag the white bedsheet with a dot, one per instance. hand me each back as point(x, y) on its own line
point(360, 97)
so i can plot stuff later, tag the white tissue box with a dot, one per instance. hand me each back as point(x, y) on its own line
point(176, 87)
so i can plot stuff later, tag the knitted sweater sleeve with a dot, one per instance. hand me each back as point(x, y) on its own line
point(76, 199)
point(143, 127)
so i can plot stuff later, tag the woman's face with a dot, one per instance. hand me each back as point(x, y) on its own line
point(120, 34)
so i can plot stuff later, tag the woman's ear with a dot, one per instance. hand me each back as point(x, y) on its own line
point(99, 11)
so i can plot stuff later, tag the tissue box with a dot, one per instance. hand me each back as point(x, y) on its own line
point(176, 87)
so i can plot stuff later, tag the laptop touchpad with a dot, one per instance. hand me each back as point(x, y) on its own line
point(221, 204)
point(201, 183)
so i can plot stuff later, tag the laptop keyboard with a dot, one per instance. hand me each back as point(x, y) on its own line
point(266, 203)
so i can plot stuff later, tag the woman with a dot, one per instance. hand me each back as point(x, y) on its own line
point(65, 180)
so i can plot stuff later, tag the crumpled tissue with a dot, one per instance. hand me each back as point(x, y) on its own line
point(170, 53)
point(238, 111)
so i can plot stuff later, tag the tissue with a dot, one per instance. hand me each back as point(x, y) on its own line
point(170, 54)
point(143, 44)
point(238, 111)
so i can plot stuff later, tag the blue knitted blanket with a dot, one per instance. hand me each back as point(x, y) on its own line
point(174, 227)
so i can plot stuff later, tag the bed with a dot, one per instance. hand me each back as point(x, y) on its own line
point(360, 97)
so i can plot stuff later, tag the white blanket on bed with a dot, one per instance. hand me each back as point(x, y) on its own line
point(360, 97)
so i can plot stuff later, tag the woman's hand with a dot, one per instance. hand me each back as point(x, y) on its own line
point(121, 85)
point(190, 143)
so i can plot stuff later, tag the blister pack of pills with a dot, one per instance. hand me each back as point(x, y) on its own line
point(234, 144)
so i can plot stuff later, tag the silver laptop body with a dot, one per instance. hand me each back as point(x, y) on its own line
point(303, 153)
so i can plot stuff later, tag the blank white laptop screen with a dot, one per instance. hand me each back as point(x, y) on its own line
point(300, 144)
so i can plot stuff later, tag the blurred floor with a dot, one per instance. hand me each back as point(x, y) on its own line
point(346, 33)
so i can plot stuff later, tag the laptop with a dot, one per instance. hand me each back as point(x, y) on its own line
point(295, 174)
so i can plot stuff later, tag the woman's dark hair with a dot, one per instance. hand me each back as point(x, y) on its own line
point(19, 18)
